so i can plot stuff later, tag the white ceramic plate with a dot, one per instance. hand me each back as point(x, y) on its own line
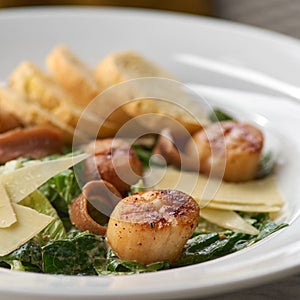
point(230, 65)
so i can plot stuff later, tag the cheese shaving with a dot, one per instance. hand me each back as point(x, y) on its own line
point(257, 195)
point(30, 222)
point(22, 182)
point(7, 214)
point(228, 219)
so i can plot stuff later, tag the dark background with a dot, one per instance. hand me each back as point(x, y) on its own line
point(278, 15)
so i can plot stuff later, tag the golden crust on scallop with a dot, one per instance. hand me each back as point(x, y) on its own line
point(152, 226)
point(228, 147)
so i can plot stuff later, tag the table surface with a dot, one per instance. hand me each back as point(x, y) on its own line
point(287, 288)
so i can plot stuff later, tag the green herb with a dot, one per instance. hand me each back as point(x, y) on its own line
point(219, 115)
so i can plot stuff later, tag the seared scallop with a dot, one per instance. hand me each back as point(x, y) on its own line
point(114, 161)
point(228, 148)
point(152, 226)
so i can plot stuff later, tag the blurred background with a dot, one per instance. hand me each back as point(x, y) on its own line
point(277, 15)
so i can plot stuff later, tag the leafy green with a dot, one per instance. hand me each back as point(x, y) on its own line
point(73, 256)
point(138, 187)
point(266, 165)
point(16, 265)
point(53, 251)
point(5, 265)
point(266, 228)
point(219, 115)
point(143, 153)
point(113, 265)
point(61, 190)
point(27, 258)
point(55, 230)
point(207, 246)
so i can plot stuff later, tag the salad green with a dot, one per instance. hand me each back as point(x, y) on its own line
point(87, 254)
point(54, 250)
point(55, 230)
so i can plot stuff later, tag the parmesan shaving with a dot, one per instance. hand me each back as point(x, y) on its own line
point(227, 219)
point(262, 191)
point(7, 214)
point(30, 223)
point(22, 182)
point(261, 194)
point(243, 207)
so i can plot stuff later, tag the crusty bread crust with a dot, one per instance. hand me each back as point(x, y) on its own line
point(42, 90)
point(122, 66)
point(61, 99)
point(126, 65)
point(29, 80)
point(31, 113)
point(73, 75)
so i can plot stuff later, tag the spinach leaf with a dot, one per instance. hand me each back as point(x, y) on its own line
point(26, 258)
point(73, 256)
point(116, 266)
point(55, 230)
point(207, 246)
point(218, 115)
point(61, 190)
point(266, 228)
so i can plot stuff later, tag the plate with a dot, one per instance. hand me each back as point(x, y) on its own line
point(233, 66)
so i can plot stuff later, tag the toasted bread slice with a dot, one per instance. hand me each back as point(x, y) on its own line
point(73, 74)
point(38, 87)
point(30, 113)
point(128, 65)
